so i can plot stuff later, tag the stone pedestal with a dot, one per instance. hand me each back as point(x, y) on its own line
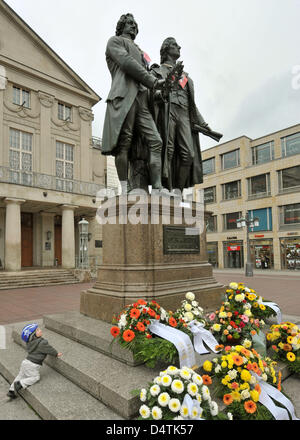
point(151, 261)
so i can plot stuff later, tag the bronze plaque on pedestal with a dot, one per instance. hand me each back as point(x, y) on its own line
point(177, 241)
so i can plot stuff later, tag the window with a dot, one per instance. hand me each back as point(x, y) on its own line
point(231, 159)
point(210, 194)
point(20, 157)
point(265, 219)
point(289, 179)
point(263, 153)
point(290, 145)
point(64, 112)
point(21, 97)
point(230, 220)
point(290, 214)
point(211, 225)
point(208, 166)
point(64, 166)
point(259, 186)
point(231, 190)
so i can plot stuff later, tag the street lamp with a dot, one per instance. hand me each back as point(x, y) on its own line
point(248, 223)
point(83, 226)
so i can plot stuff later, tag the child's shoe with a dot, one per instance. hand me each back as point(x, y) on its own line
point(17, 386)
point(11, 394)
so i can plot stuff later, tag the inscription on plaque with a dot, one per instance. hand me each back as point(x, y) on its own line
point(176, 241)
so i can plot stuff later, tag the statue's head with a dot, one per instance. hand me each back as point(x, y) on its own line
point(169, 48)
point(127, 25)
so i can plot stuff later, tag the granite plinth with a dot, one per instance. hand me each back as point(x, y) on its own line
point(137, 265)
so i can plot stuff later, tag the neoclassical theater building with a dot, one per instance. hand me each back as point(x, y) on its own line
point(50, 166)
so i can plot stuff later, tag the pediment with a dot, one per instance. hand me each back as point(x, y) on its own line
point(19, 43)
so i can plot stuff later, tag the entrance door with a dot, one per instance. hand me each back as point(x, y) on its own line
point(26, 240)
point(57, 246)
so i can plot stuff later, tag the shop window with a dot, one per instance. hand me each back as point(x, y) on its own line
point(211, 225)
point(290, 214)
point(20, 157)
point(231, 190)
point(263, 153)
point(208, 166)
point(21, 97)
point(210, 195)
point(290, 145)
point(262, 253)
point(290, 253)
point(289, 179)
point(229, 220)
point(259, 186)
point(233, 254)
point(231, 159)
point(264, 216)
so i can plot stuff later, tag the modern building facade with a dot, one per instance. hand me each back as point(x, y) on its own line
point(261, 176)
point(50, 166)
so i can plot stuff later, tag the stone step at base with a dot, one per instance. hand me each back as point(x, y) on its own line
point(90, 332)
point(107, 379)
point(54, 397)
point(22, 286)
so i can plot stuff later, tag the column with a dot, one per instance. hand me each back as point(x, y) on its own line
point(68, 237)
point(13, 234)
point(47, 242)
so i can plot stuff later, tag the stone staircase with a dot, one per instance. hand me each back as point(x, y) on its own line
point(36, 278)
point(94, 378)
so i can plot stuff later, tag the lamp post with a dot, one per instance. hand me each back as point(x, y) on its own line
point(83, 226)
point(248, 223)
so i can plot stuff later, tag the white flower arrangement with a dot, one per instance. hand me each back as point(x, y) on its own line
point(190, 310)
point(180, 395)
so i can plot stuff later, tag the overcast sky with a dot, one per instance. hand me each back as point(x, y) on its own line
point(240, 53)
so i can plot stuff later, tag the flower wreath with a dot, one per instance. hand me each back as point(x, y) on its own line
point(234, 321)
point(285, 340)
point(259, 310)
point(236, 384)
point(132, 330)
point(178, 394)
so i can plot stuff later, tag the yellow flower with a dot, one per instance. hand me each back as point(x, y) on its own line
point(207, 366)
point(247, 313)
point(224, 364)
point(236, 396)
point(245, 375)
point(269, 336)
point(290, 339)
point(262, 307)
point(227, 378)
point(233, 286)
point(245, 385)
point(255, 304)
point(224, 381)
point(254, 395)
point(290, 356)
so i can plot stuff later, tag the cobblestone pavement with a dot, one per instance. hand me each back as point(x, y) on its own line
point(18, 305)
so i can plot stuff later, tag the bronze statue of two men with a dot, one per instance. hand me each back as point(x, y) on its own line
point(151, 129)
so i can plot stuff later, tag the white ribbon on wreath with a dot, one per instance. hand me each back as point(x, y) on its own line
point(272, 306)
point(269, 392)
point(201, 336)
point(180, 339)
